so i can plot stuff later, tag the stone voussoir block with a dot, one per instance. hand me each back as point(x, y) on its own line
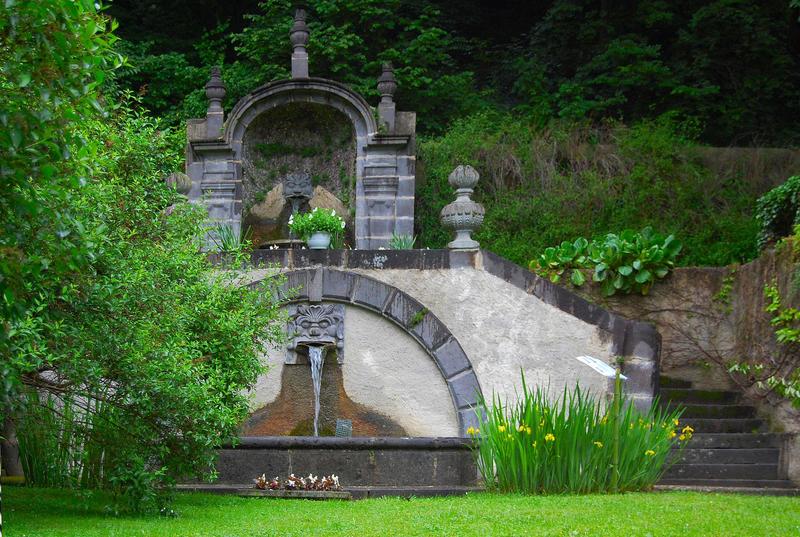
point(405, 310)
point(338, 284)
point(371, 293)
point(465, 389)
point(430, 330)
point(451, 358)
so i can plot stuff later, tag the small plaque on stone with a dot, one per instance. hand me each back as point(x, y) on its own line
point(344, 428)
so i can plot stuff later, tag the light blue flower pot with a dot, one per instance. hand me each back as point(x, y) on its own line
point(320, 240)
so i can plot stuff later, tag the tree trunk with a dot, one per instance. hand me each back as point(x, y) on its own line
point(12, 466)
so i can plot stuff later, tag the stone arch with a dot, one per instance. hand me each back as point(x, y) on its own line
point(310, 90)
point(384, 169)
point(323, 284)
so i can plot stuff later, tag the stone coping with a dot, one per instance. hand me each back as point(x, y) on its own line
point(355, 443)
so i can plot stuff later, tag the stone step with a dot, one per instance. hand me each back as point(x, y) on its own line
point(689, 395)
point(408, 492)
point(669, 382)
point(739, 483)
point(736, 440)
point(723, 471)
point(725, 425)
point(757, 491)
point(695, 410)
point(729, 456)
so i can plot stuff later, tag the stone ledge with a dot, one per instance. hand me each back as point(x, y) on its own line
point(352, 443)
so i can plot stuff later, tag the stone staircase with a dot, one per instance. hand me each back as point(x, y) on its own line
point(730, 450)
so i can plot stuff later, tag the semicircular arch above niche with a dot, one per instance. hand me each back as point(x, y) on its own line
point(296, 138)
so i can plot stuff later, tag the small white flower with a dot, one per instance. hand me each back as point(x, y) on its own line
point(342, 224)
point(315, 209)
point(333, 212)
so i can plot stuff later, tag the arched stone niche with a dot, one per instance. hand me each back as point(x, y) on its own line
point(384, 382)
point(417, 334)
point(384, 165)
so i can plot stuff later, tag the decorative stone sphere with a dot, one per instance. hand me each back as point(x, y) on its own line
point(180, 182)
point(463, 215)
point(466, 215)
point(464, 176)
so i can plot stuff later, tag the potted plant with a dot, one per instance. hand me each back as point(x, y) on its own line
point(317, 227)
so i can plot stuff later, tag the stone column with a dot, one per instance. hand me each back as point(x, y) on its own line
point(299, 38)
point(215, 116)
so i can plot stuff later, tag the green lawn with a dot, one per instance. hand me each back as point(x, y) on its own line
point(46, 512)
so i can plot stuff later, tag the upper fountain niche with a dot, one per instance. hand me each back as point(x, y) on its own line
point(359, 158)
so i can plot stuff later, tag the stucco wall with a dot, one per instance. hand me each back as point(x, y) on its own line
point(468, 319)
point(504, 330)
point(384, 369)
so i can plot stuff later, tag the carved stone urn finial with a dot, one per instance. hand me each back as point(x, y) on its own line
point(299, 38)
point(463, 215)
point(387, 84)
point(215, 88)
point(215, 92)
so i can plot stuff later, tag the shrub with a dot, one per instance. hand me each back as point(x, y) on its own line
point(151, 347)
point(629, 262)
point(542, 185)
point(536, 445)
point(777, 211)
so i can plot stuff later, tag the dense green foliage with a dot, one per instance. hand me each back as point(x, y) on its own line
point(125, 354)
point(731, 65)
point(574, 444)
point(57, 513)
point(150, 348)
point(778, 211)
point(629, 262)
point(544, 185)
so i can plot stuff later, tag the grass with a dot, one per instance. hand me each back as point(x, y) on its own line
point(31, 512)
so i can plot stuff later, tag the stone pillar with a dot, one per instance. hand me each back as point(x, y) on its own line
point(299, 38)
point(387, 85)
point(463, 215)
point(215, 116)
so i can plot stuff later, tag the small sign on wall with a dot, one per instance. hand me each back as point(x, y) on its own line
point(600, 366)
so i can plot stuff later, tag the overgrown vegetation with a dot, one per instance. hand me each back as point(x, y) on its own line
point(574, 444)
point(778, 212)
point(627, 263)
point(778, 372)
point(544, 185)
point(125, 354)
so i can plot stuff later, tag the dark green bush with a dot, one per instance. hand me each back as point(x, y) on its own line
point(544, 185)
point(777, 211)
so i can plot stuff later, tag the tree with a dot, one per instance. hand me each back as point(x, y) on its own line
point(119, 336)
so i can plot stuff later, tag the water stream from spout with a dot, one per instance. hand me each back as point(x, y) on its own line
point(316, 357)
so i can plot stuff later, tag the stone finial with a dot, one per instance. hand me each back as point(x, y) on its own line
point(215, 92)
point(463, 215)
point(387, 85)
point(299, 38)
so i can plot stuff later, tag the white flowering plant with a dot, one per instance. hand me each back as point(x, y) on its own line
point(316, 221)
